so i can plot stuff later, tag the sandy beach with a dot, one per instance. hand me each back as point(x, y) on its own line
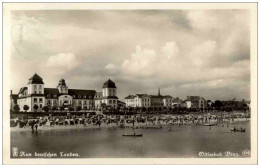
point(114, 125)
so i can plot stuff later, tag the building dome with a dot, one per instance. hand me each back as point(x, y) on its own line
point(109, 84)
point(35, 79)
point(62, 82)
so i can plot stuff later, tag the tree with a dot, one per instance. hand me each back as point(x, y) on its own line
point(35, 107)
point(143, 109)
point(103, 106)
point(54, 108)
point(26, 108)
point(46, 108)
point(71, 108)
point(79, 108)
point(218, 104)
point(16, 108)
point(62, 108)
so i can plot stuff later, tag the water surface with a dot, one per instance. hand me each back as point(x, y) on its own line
point(184, 141)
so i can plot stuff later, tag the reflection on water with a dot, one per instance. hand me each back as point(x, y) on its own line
point(183, 141)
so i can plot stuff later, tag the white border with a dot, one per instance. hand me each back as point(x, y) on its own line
point(130, 6)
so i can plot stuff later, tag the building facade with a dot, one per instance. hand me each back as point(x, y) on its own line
point(196, 102)
point(145, 100)
point(35, 96)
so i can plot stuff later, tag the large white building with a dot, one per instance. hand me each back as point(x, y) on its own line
point(145, 100)
point(36, 95)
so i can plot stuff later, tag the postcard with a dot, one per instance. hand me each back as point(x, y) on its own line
point(130, 83)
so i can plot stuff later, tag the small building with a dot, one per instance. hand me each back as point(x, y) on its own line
point(177, 102)
point(13, 100)
point(196, 102)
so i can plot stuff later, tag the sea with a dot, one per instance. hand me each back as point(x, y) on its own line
point(172, 141)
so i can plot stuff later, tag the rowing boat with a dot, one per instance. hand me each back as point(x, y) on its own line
point(133, 135)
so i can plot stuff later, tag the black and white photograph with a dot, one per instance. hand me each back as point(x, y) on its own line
point(161, 81)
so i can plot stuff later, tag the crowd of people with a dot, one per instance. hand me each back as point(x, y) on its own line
point(144, 121)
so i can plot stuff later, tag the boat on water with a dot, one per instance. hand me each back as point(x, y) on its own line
point(153, 127)
point(238, 130)
point(209, 124)
point(133, 135)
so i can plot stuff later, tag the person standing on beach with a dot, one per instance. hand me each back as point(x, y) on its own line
point(32, 126)
point(36, 126)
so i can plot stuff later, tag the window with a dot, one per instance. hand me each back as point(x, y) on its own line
point(110, 101)
point(84, 96)
point(34, 99)
point(40, 105)
point(40, 99)
point(114, 101)
point(49, 102)
point(40, 92)
point(35, 92)
point(79, 96)
point(74, 96)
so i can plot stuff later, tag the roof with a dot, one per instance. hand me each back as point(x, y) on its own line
point(130, 97)
point(35, 79)
point(109, 84)
point(82, 92)
point(62, 82)
point(51, 91)
point(120, 102)
point(156, 96)
point(98, 95)
point(142, 95)
point(22, 90)
point(177, 100)
point(14, 96)
point(193, 98)
point(167, 96)
point(110, 97)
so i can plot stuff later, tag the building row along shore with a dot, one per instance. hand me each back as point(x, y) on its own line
point(35, 97)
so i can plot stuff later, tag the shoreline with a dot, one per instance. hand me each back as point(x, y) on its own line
point(111, 125)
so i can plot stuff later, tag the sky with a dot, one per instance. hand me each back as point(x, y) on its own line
point(183, 52)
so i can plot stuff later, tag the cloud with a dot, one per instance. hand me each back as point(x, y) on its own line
point(111, 69)
point(204, 50)
point(62, 62)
